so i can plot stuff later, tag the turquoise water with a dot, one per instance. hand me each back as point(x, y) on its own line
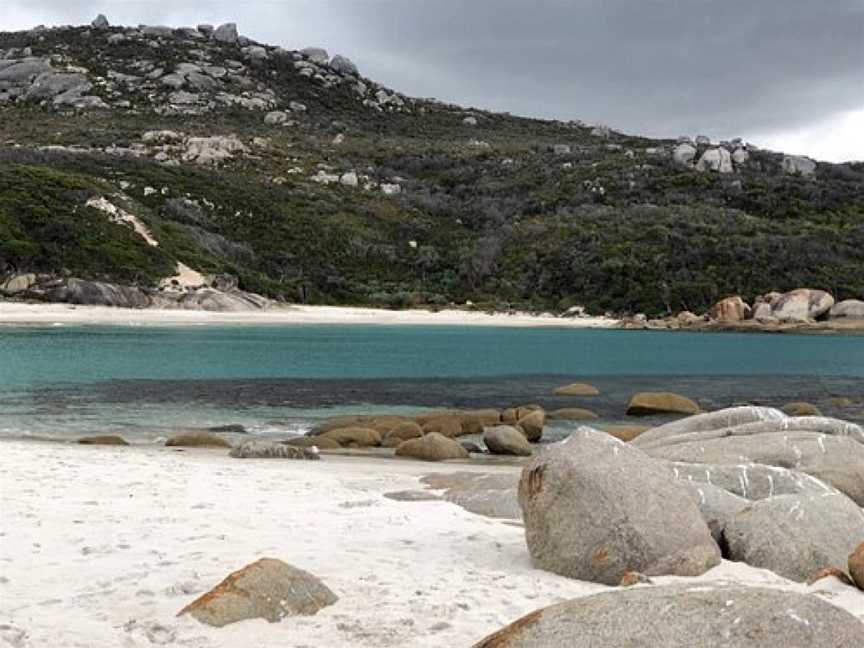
point(148, 381)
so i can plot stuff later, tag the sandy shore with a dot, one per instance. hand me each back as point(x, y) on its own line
point(103, 546)
point(18, 313)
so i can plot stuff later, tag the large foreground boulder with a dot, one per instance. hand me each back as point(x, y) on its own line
point(506, 440)
point(835, 460)
point(680, 615)
point(432, 447)
point(718, 420)
point(796, 536)
point(595, 508)
point(648, 403)
point(718, 506)
point(751, 481)
point(267, 589)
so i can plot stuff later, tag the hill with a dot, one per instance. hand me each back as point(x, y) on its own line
point(153, 160)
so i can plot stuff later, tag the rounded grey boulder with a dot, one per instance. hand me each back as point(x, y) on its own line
point(595, 508)
point(679, 615)
point(506, 440)
point(796, 536)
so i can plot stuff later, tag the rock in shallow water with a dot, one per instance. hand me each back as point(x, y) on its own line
point(266, 589)
point(680, 615)
point(506, 440)
point(268, 450)
point(432, 447)
point(648, 403)
point(595, 508)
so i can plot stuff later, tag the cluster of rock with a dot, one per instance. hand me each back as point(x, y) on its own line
point(727, 157)
point(211, 296)
point(749, 484)
point(215, 70)
point(432, 437)
point(798, 306)
point(354, 179)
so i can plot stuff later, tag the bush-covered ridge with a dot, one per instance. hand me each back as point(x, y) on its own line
point(489, 213)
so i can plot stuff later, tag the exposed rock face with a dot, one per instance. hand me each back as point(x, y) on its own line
point(852, 309)
point(212, 150)
point(595, 508)
point(17, 283)
point(648, 403)
point(740, 156)
point(684, 154)
point(506, 440)
point(715, 159)
point(835, 460)
point(678, 615)
point(343, 65)
point(731, 309)
point(226, 33)
point(354, 436)
point(316, 55)
point(577, 389)
point(50, 84)
point(100, 22)
point(95, 293)
point(197, 440)
point(750, 481)
point(275, 118)
point(267, 589)
point(802, 305)
point(798, 165)
point(719, 420)
point(432, 447)
point(796, 536)
point(717, 506)
point(254, 449)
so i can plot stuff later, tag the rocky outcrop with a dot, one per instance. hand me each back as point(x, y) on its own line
point(343, 65)
point(717, 506)
point(852, 309)
point(226, 33)
point(798, 165)
point(595, 508)
point(506, 440)
point(708, 616)
point(267, 589)
point(257, 449)
point(432, 447)
point(802, 305)
point(795, 536)
point(826, 449)
point(731, 309)
point(750, 481)
point(711, 421)
point(649, 403)
point(684, 154)
point(715, 159)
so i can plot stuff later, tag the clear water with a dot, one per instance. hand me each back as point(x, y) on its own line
point(146, 382)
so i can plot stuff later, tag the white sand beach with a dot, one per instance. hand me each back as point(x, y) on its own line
point(19, 313)
point(102, 546)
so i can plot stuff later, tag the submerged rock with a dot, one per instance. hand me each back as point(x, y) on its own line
point(577, 389)
point(595, 508)
point(708, 616)
point(648, 403)
point(108, 439)
point(266, 589)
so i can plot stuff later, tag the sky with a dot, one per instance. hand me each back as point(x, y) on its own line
point(783, 74)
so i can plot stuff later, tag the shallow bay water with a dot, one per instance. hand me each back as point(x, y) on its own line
point(146, 382)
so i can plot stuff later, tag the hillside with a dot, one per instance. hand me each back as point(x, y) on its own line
point(153, 157)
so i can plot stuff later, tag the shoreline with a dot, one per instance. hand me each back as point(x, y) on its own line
point(33, 314)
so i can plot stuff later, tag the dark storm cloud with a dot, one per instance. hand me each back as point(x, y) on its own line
point(660, 67)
